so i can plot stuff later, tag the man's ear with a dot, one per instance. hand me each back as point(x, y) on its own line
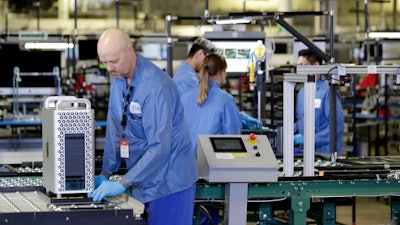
point(201, 52)
point(130, 49)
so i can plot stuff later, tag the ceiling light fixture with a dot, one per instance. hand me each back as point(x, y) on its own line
point(383, 34)
point(48, 45)
point(231, 21)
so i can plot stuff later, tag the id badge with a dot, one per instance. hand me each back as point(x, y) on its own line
point(317, 103)
point(124, 149)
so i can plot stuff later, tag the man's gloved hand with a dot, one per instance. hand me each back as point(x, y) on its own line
point(298, 139)
point(298, 150)
point(107, 188)
point(249, 122)
point(99, 179)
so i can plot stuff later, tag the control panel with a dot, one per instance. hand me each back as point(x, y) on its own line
point(236, 158)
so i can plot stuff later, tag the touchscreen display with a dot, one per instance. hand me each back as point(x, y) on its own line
point(231, 144)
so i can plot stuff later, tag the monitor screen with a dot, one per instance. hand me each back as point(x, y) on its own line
point(87, 49)
point(237, 53)
point(156, 51)
point(228, 144)
point(28, 62)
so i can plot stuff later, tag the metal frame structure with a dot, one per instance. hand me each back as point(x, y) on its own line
point(300, 194)
point(306, 74)
point(17, 78)
point(289, 83)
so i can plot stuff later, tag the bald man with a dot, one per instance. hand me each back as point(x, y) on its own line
point(146, 128)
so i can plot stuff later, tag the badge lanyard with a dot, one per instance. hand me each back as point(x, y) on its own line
point(124, 144)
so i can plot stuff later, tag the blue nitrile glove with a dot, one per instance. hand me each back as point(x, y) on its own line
point(298, 150)
point(250, 122)
point(99, 179)
point(108, 188)
point(298, 139)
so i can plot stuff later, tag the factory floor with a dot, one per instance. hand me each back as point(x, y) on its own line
point(369, 211)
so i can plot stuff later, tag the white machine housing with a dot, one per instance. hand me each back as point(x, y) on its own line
point(68, 145)
point(236, 158)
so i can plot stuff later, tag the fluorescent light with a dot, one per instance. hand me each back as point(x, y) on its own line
point(232, 21)
point(390, 35)
point(48, 45)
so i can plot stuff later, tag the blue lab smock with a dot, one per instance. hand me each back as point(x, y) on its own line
point(161, 160)
point(218, 114)
point(185, 78)
point(321, 117)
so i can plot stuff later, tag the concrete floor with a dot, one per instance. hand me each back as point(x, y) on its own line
point(369, 211)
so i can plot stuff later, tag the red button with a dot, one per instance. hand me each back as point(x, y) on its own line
point(253, 136)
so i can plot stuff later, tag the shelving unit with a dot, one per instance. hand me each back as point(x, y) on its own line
point(238, 87)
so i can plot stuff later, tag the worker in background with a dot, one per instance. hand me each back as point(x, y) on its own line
point(186, 78)
point(210, 110)
point(147, 130)
point(308, 57)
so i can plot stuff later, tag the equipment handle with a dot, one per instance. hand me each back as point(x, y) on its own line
point(74, 103)
point(54, 99)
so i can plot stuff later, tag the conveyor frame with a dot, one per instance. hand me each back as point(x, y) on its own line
point(301, 192)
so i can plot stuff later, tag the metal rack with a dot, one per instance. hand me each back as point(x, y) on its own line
point(16, 89)
point(338, 72)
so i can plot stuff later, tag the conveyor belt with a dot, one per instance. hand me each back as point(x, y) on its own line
point(31, 206)
point(345, 177)
point(29, 174)
point(23, 200)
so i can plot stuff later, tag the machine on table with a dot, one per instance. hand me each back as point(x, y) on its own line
point(59, 193)
point(236, 160)
point(315, 197)
point(67, 141)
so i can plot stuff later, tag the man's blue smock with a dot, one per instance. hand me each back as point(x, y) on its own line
point(185, 78)
point(161, 160)
point(218, 114)
point(321, 117)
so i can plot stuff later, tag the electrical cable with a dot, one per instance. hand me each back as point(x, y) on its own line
point(204, 211)
point(328, 74)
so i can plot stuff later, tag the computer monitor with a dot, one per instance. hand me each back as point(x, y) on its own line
point(87, 49)
point(153, 50)
point(236, 47)
point(33, 62)
point(237, 54)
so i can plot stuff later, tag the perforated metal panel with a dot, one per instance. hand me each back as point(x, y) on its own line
point(68, 158)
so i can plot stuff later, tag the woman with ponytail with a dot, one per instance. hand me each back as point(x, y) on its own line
point(208, 109)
